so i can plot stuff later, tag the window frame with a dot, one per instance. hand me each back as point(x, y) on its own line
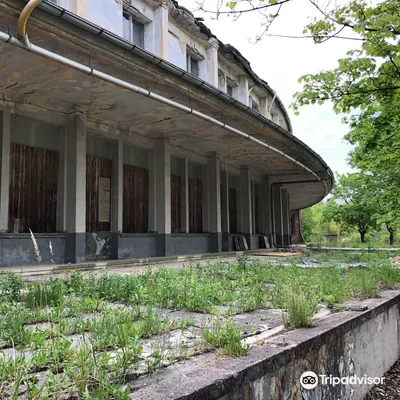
point(190, 62)
point(133, 19)
point(254, 104)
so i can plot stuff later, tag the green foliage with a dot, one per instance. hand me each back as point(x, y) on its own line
point(316, 225)
point(44, 294)
point(226, 337)
point(353, 204)
point(370, 73)
point(11, 287)
point(375, 133)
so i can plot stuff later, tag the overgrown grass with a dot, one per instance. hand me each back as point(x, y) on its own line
point(226, 337)
point(80, 304)
point(300, 310)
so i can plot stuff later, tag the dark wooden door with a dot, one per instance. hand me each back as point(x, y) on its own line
point(33, 189)
point(195, 206)
point(175, 203)
point(232, 211)
point(136, 199)
point(98, 194)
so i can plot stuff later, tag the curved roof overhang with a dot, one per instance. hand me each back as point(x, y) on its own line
point(33, 80)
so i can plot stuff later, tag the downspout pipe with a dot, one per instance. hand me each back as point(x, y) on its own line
point(23, 42)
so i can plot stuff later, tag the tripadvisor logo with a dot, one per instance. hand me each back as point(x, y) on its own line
point(309, 380)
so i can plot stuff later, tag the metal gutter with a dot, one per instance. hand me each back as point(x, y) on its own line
point(76, 20)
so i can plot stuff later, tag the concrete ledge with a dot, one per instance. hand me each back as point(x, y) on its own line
point(345, 344)
point(37, 270)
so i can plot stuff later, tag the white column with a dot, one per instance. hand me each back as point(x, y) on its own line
point(245, 204)
point(117, 191)
point(117, 182)
point(62, 181)
point(160, 31)
point(210, 71)
point(5, 135)
point(225, 209)
point(214, 203)
point(76, 188)
point(285, 217)
point(278, 215)
point(185, 196)
point(266, 208)
point(243, 90)
point(162, 174)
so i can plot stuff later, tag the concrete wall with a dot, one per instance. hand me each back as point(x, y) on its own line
point(17, 249)
point(344, 345)
point(137, 246)
point(369, 349)
point(189, 244)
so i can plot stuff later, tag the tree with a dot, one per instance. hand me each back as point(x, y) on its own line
point(369, 73)
point(375, 133)
point(352, 205)
point(315, 224)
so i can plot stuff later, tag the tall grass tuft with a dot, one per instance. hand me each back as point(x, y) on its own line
point(300, 311)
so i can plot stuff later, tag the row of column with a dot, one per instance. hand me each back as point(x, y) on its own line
point(71, 216)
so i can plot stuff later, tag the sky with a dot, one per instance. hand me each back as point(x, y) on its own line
point(281, 62)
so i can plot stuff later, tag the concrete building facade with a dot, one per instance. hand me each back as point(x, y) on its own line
point(96, 171)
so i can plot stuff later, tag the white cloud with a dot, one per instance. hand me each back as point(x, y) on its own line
point(282, 61)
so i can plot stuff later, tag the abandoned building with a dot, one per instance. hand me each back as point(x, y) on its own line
point(184, 150)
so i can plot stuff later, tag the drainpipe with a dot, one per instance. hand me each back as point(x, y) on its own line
point(23, 42)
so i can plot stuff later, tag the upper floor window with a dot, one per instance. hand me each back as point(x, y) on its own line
point(254, 105)
point(225, 83)
point(133, 30)
point(192, 65)
point(230, 86)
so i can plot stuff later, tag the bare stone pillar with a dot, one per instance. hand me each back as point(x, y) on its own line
point(5, 135)
point(162, 174)
point(266, 208)
point(225, 229)
point(117, 190)
point(185, 196)
point(245, 204)
point(278, 215)
point(214, 204)
point(75, 248)
point(286, 217)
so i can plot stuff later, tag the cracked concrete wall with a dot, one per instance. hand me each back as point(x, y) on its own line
point(369, 349)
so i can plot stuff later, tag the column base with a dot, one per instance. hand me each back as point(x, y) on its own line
point(225, 241)
point(279, 240)
point(163, 245)
point(215, 242)
point(75, 248)
point(114, 245)
point(286, 240)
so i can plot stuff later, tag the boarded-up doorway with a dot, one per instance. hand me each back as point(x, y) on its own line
point(136, 199)
point(98, 194)
point(33, 189)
